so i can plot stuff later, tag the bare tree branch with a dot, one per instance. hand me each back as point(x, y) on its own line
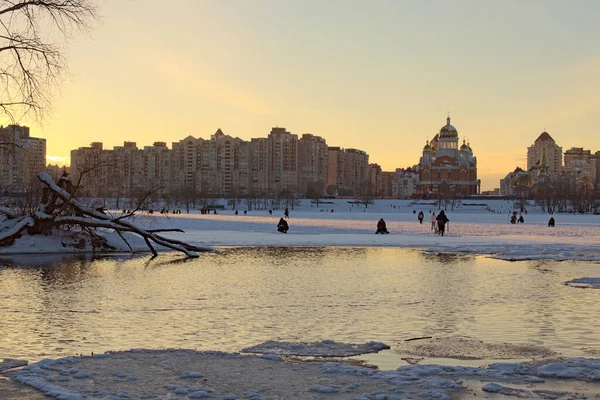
point(32, 64)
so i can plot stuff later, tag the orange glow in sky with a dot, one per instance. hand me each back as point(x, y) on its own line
point(378, 76)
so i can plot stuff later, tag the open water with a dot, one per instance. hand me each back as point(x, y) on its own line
point(238, 297)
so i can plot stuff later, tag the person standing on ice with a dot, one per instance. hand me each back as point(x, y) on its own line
point(441, 222)
point(551, 222)
point(420, 217)
point(286, 213)
point(432, 221)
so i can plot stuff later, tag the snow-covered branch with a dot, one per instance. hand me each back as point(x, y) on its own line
point(59, 208)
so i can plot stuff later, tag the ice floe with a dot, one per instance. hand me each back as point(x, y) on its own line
point(464, 348)
point(324, 348)
point(233, 376)
point(592, 283)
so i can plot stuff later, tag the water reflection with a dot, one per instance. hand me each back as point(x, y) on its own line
point(237, 297)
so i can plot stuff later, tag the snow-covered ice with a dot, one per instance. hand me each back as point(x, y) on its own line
point(324, 348)
point(463, 348)
point(230, 376)
point(593, 283)
point(472, 229)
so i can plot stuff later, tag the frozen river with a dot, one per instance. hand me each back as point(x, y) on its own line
point(239, 297)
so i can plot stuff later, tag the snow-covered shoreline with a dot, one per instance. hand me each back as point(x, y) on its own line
point(180, 373)
point(471, 230)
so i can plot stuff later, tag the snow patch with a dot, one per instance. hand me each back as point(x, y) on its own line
point(464, 348)
point(324, 348)
point(585, 283)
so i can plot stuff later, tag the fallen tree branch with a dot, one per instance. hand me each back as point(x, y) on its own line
point(59, 208)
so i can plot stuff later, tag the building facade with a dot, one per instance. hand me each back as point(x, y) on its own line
point(545, 143)
point(22, 158)
point(312, 164)
point(446, 169)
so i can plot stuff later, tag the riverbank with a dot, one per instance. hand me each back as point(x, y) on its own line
point(192, 374)
point(471, 230)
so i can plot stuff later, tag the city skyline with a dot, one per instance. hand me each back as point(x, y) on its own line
point(378, 77)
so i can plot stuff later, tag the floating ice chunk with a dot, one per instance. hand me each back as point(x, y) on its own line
point(181, 390)
point(252, 393)
point(585, 283)
point(439, 383)
point(9, 363)
point(198, 395)
point(505, 390)
point(81, 375)
point(511, 368)
point(323, 389)
point(324, 348)
point(560, 370)
point(273, 357)
point(229, 397)
point(492, 388)
point(120, 374)
point(434, 395)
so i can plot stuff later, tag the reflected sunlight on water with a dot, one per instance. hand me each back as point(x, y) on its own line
point(243, 296)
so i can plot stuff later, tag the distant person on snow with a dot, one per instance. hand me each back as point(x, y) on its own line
point(433, 221)
point(551, 222)
point(420, 217)
point(381, 228)
point(441, 222)
point(286, 213)
point(282, 226)
point(521, 219)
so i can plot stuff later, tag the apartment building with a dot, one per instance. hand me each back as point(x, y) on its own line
point(22, 157)
point(355, 171)
point(545, 143)
point(225, 166)
point(336, 164)
point(312, 164)
point(582, 163)
point(283, 159)
point(258, 166)
point(374, 181)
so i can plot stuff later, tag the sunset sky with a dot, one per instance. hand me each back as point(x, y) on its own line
point(377, 75)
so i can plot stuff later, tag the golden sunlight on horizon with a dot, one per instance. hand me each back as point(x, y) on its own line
point(344, 71)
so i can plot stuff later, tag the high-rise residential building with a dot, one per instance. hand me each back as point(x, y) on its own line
point(312, 164)
point(582, 164)
point(186, 165)
point(355, 171)
point(258, 166)
point(22, 157)
point(447, 169)
point(387, 183)
point(336, 165)
point(283, 159)
point(553, 153)
point(374, 179)
point(157, 167)
point(92, 171)
point(223, 158)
